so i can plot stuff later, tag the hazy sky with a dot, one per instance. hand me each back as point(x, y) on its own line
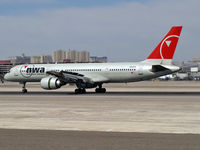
point(123, 30)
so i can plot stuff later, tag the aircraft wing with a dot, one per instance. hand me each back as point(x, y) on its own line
point(73, 77)
point(68, 77)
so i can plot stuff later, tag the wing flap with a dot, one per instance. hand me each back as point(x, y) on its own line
point(69, 77)
point(73, 77)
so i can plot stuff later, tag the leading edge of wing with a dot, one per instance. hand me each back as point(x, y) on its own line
point(96, 78)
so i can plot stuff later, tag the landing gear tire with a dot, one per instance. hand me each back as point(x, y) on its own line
point(24, 90)
point(83, 91)
point(100, 90)
point(80, 91)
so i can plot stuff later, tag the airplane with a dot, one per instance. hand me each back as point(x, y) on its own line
point(94, 75)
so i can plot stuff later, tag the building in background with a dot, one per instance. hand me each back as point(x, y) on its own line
point(196, 59)
point(95, 59)
point(42, 59)
point(19, 59)
point(35, 60)
point(72, 55)
point(83, 56)
point(46, 59)
point(75, 56)
point(195, 62)
point(59, 56)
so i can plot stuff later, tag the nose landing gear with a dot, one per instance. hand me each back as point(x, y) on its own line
point(24, 90)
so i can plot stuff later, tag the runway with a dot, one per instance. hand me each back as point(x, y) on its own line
point(158, 107)
point(73, 140)
point(155, 113)
point(104, 94)
point(138, 88)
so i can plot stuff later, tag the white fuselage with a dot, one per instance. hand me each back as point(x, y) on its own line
point(97, 72)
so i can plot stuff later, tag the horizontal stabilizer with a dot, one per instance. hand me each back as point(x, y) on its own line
point(158, 68)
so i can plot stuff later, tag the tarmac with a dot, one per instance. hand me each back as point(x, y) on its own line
point(81, 140)
point(160, 114)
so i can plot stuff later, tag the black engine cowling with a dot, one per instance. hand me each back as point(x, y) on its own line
point(50, 83)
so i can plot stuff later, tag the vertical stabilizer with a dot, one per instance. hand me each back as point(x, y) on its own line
point(166, 48)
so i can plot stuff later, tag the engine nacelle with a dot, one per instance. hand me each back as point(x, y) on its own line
point(50, 83)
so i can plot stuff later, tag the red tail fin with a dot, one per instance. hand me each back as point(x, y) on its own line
point(166, 48)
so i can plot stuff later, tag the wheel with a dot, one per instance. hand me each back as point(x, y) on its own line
point(97, 90)
point(100, 90)
point(24, 91)
point(103, 90)
point(77, 91)
point(80, 91)
point(83, 91)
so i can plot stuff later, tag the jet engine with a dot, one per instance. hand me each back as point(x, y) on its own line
point(50, 83)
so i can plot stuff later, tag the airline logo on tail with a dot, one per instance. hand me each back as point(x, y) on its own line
point(166, 48)
point(168, 43)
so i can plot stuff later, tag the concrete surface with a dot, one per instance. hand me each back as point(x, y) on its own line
point(144, 86)
point(75, 140)
point(153, 107)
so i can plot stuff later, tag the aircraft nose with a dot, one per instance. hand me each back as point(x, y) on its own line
point(7, 76)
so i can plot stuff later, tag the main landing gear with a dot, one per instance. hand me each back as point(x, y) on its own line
point(100, 89)
point(80, 91)
point(97, 90)
point(24, 90)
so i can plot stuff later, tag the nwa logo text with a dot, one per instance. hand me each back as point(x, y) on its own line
point(29, 70)
point(35, 70)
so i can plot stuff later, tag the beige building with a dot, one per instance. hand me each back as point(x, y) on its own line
point(59, 56)
point(78, 56)
point(72, 55)
point(40, 59)
point(35, 60)
point(46, 59)
point(84, 56)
